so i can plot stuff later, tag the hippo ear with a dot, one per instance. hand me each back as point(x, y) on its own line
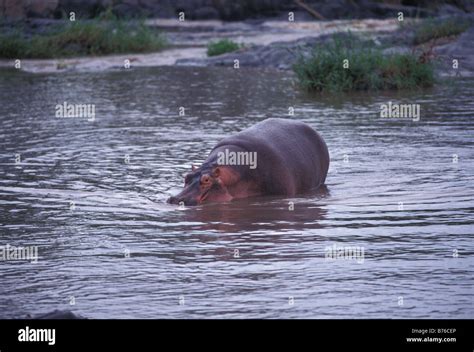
point(225, 174)
point(216, 172)
point(193, 168)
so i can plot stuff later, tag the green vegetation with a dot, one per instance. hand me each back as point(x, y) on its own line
point(435, 28)
point(221, 47)
point(82, 37)
point(368, 69)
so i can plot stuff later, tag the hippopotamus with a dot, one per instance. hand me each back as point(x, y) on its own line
point(274, 157)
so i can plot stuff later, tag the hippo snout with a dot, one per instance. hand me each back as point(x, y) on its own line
point(178, 200)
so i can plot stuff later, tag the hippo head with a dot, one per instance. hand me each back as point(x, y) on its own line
point(206, 184)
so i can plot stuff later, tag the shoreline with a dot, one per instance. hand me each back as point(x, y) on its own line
point(269, 44)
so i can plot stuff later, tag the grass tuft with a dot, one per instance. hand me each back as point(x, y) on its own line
point(221, 47)
point(88, 37)
point(368, 69)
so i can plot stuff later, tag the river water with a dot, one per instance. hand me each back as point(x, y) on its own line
point(91, 195)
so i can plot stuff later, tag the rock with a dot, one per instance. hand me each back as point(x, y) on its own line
point(58, 314)
point(461, 50)
point(333, 8)
point(206, 13)
point(227, 9)
point(449, 10)
point(82, 8)
point(280, 55)
point(388, 10)
point(402, 37)
point(14, 9)
point(128, 10)
point(41, 9)
point(466, 5)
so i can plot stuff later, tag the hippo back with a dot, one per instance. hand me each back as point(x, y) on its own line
point(291, 156)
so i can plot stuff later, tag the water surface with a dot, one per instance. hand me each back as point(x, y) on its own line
point(91, 195)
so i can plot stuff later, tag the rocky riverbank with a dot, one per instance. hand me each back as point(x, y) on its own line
point(267, 44)
point(390, 38)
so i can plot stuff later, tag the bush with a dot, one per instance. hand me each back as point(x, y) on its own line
point(12, 45)
point(435, 28)
point(368, 69)
point(221, 47)
point(93, 37)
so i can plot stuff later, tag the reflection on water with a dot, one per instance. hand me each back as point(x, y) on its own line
point(91, 196)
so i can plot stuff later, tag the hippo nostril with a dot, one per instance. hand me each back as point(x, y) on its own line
point(181, 201)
